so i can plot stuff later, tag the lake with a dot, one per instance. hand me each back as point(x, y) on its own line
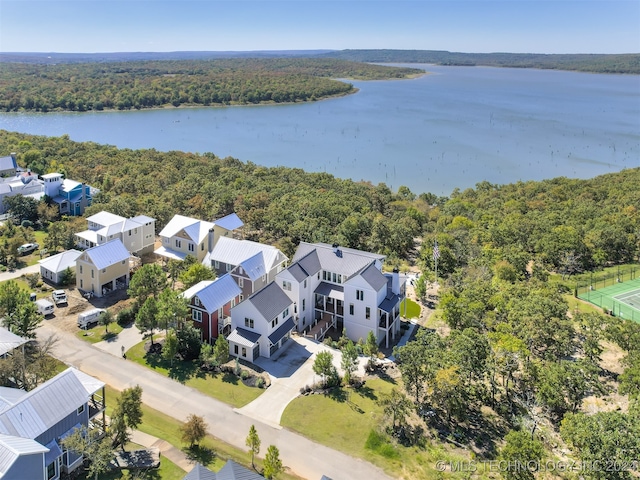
point(452, 128)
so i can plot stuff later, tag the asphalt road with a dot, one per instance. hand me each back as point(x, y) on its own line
point(303, 456)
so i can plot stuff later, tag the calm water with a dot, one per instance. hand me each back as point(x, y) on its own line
point(453, 128)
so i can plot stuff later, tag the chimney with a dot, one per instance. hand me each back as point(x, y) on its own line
point(336, 250)
point(395, 281)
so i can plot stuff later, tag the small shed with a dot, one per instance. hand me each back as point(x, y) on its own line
point(52, 268)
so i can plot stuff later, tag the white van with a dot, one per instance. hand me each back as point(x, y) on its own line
point(59, 297)
point(45, 307)
point(89, 317)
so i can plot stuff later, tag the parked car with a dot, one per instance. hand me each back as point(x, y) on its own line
point(59, 297)
point(27, 248)
point(89, 317)
point(45, 307)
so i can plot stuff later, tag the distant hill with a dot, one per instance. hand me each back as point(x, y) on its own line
point(597, 63)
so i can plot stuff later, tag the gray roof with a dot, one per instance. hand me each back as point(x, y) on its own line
point(243, 337)
point(330, 290)
point(214, 294)
point(230, 471)
point(309, 262)
point(345, 261)
point(9, 341)
point(374, 277)
point(270, 301)
point(108, 254)
point(282, 330)
point(43, 407)
point(13, 447)
point(298, 272)
point(389, 303)
point(230, 222)
point(8, 163)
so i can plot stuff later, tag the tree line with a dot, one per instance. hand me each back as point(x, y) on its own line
point(148, 84)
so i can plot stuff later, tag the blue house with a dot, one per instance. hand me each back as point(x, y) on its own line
point(33, 425)
point(71, 197)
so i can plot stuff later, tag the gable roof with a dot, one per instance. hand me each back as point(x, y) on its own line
point(230, 471)
point(105, 218)
point(255, 266)
point(107, 254)
point(197, 230)
point(13, 447)
point(61, 261)
point(234, 252)
point(298, 272)
point(46, 405)
point(230, 222)
point(374, 277)
point(68, 185)
point(198, 472)
point(270, 301)
point(9, 341)
point(8, 163)
point(214, 294)
point(345, 261)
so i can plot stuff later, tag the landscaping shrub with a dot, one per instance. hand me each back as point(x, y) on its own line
point(244, 375)
point(379, 443)
point(125, 316)
point(260, 382)
point(189, 344)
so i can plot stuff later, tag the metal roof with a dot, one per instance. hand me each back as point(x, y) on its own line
point(234, 252)
point(330, 290)
point(374, 277)
point(43, 407)
point(105, 218)
point(298, 272)
point(345, 261)
point(8, 163)
point(254, 267)
point(12, 447)
point(243, 337)
point(197, 230)
point(270, 301)
point(214, 294)
point(282, 330)
point(234, 471)
point(198, 472)
point(309, 262)
point(142, 219)
point(61, 261)
point(9, 341)
point(172, 254)
point(68, 185)
point(107, 254)
point(54, 452)
point(389, 303)
point(230, 222)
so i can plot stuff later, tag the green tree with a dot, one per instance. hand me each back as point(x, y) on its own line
point(396, 406)
point(170, 346)
point(148, 281)
point(172, 309)
point(88, 444)
point(371, 348)
point(253, 442)
point(323, 365)
point(413, 365)
point(349, 362)
point(193, 430)
point(146, 318)
point(11, 297)
point(519, 453)
point(272, 463)
point(189, 343)
point(196, 273)
point(22, 208)
point(221, 350)
point(25, 320)
point(126, 415)
point(106, 318)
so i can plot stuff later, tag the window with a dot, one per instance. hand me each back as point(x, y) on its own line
point(334, 278)
point(229, 267)
point(351, 309)
point(178, 243)
point(241, 270)
point(304, 301)
point(51, 470)
point(368, 313)
point(244, 352)
point(92, 273)
point(235, 349)
point(81, 283)
point(129, 232)
point(264, 278)
point(286, 285)
point(202, 247)
point(121, 262)
point(192, 247)
point(274, 322)
point(305, 283)
point(196, 301)
point(248, 322)
point(166, 240)
point(104, 270)
point(196, 315)
point(80, 269)
point(359, 295)
point(285, 313)
point(80, 409)
point(339, 278)
point(216, 264)
point(241, 282)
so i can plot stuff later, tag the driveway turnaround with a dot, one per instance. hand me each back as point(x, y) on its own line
point(302, 456)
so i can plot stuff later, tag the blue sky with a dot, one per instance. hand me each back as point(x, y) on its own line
point(540, 26)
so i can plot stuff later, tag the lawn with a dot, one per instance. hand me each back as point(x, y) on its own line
point(97, 333)
point(214, 453)
point(344, 419)
point(225, 387)
point(413, 309)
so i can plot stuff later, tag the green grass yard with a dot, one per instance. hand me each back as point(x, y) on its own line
point(412, 309)
point(98, 334)
point(225, 387)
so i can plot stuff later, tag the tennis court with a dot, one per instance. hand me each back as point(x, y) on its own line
point(621, 299)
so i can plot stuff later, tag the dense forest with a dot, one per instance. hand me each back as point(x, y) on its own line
point(596, 63)
point(509, 372)
point(146, 84)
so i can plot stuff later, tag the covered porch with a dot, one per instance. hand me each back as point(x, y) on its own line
point(389, 318)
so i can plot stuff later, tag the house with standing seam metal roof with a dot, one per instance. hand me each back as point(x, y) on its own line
point(138, 233)
point(230, 471)
point(104, 268)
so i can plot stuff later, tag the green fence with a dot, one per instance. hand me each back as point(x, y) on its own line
point(604, 296)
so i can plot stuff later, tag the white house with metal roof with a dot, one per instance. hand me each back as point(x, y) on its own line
point(136, 233)
point(9, 341)
point(262, 324)
point(52, 268)
point(32, 424)
point(26, 184)
point(210, 303)
point(104, 268)
point(251, 264)
point(344, 288)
